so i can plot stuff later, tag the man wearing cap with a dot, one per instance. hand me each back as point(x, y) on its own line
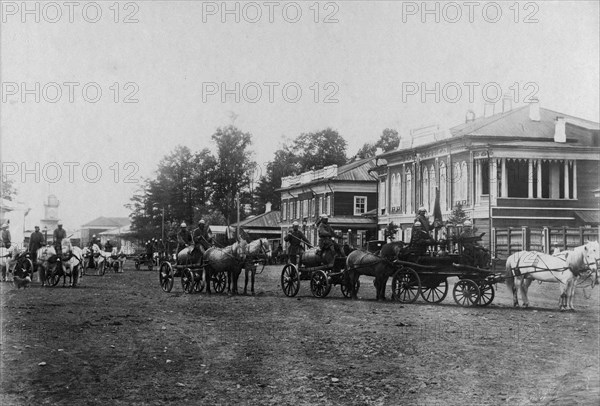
point(202, 235)
point(295, 238)
point(36, 241)
point(108, 246)
point(422, 218)
point(59, 234)
point(184, 238)
point(326, 235)
point(96, 241)
point(6, 240)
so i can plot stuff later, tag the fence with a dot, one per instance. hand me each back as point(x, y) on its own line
point(507, 241)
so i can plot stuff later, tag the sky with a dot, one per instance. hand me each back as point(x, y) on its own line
point(94, 94)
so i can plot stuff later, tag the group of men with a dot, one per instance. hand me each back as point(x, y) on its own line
point(296, 240)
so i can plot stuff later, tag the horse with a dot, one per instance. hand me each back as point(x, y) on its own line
point(99, 257)
point(230, 259)
point(42, 264)
point(119, 257)
point(564, 268)
point(256, 251)
point(381, 266)
point(8, 259)
point(72, 262)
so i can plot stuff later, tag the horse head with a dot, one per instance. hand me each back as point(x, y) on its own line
point(240, 249)
point(66, 245)
point(44, 253)
point(266, 247)
point(591, 255)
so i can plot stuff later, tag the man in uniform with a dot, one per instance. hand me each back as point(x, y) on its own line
point(203, 235)
point(295, 238)
point(184, 238)
point(108, 247)
point(59, 234)
point(6, 240)
point(326, 237)
point(422, 219)
point(36, 241)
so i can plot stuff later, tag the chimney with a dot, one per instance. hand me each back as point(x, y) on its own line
point(534, 110)
point(488, 109)
point(560, 134)
point(506, 103)
point(470, 116)
point(267, 207)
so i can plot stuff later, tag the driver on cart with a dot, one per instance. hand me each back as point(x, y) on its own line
point(184, 238)
point(202, 238)
point(326, 235)
point(295, 238)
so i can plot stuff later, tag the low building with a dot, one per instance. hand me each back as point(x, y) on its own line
point(265, 225)
point(344, 193)
point(100, 225)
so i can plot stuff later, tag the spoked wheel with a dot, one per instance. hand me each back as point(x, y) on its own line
point(165, 276)
point(486, 293)
point(435, 294)
point(406, 285)
point(198, 282)
point(53, 275)
point(187, 280)
point(290, 280)
point(345, 290)
point(26, 266)
point(466, 293)
point(319, 285)
point(219, 281)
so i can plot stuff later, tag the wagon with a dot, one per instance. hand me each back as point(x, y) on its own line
point(427, 276)
point(191, 277)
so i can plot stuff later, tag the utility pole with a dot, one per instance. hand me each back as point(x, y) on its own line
point(237, 199)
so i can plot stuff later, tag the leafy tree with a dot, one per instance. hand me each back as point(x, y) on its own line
point(390, 231)
point(458, 215)
point(232, 172)
point(319, 149)
point(7, 188)
point(388, 141)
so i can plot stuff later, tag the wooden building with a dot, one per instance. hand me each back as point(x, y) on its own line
point(344, 193)
point(527, 167)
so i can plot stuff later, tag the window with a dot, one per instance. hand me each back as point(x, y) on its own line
point(443, 176)
point(305, 204)
point(382, 205)
point(409, 192)
point(326, 207)
point(284, 210)
point(360, 205)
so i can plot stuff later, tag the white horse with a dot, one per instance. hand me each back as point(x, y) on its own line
point(72, 262)
point(99, 257)
point(42, 264)
point(564, 268)
point(256, 251)
point(8, 259)
point(117, 257)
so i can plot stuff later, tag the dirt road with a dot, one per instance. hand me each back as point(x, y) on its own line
point(120, 340)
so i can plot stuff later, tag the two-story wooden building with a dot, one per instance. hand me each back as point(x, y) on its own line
point(344, 193)
point(527, 167)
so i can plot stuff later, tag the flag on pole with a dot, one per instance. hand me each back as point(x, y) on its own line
point(437, 210)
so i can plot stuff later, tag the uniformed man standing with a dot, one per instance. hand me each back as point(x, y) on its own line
point(6, 240)
point(36, 241)
point(422, 218)
point(59, 234)
point(295, 238)
point(203, 235)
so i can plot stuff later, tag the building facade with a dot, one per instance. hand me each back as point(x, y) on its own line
point(528, 167)
point(344, 193)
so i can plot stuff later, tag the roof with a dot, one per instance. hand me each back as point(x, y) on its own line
point(107, 222)
point(264, 220)
point(357, 171)
point(591, 217)
point(516, 123)
point(117, 230)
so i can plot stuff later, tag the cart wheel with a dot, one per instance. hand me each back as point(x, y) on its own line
point(137, 265)
point(345, 290)
point(53, 275)
point(435, 294)
point(198, 282)
point(290, 280)
point(486, 293)
point(319, 285)
point(187, 280)
point(165, 276)
point(116, 266)
point(466, 293)
point(406, 286)
point(220, 281)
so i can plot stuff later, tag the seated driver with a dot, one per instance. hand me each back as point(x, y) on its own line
point(326, 235)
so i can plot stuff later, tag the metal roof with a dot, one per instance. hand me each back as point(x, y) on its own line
point(264, 220)
point(591, 217)
point(107, 222)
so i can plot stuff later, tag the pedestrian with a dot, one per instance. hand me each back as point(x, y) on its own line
point(36, 241)
point(295, 239)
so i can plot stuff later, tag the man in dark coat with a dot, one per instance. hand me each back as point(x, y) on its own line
point(326, 237)
point(422, 218)
point(59, 234)
point(203, 235)
point(6, 240)
point(36, 241)
point(295, 238)
point(184, 238)
point(108, 246)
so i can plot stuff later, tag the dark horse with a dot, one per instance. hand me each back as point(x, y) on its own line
point(380, 266)
point(229, 259)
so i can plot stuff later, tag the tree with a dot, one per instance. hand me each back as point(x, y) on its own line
point(7, 188)
point(320, 149)
point(458, 215)
point(233, 169)
point(390, 231)
point(388, 141)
